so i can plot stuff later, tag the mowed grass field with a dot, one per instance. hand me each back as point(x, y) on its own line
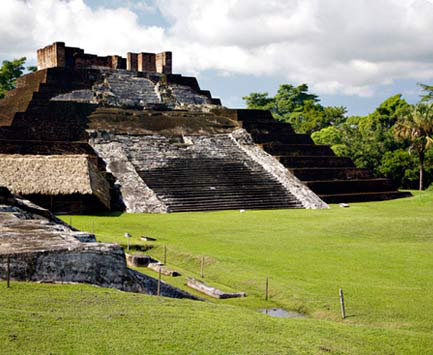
point(380, 254)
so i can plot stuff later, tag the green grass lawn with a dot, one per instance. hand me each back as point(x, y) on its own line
point(380, 253)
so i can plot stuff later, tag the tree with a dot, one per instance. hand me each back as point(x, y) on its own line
point(401, 166)
point(416, 126)
point(295, 105)
point(428, 89)
point(260, 101)
point(331, 136)
point(9, 72)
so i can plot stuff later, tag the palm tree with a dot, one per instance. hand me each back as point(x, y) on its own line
point(416, 125)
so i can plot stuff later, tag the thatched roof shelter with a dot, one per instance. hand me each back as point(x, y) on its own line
point(53, 175)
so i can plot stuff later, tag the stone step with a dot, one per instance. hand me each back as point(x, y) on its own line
point(223, 201)
point(201, 182)
point(254, 115)
point(226, 202)
point(298, 149)
point(219, 172)
point(211, 186)
point(313, 174)
point(315, 161)
point(227, 208)
point(268, 127)
point(17, 100)
point(350, 186)
point(224, 175)
point(260, 138)
point(244, 195)
point(364, 196)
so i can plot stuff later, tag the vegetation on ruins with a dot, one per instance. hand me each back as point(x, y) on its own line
point(381, 257)
point(370, 141)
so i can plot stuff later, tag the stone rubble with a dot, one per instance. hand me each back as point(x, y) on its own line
point(126, 89)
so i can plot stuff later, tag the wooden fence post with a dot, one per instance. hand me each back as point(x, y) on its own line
point(202, 267)
point(8, 272)
point(158, 291)
point(267, 289)
point(343, 308)
point(165, 255)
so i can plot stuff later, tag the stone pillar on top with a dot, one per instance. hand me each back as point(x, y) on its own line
point(52, 56)
point(147, 62)
point(164, 62)
point(132, 61)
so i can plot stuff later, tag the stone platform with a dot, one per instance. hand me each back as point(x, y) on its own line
point(41, 248)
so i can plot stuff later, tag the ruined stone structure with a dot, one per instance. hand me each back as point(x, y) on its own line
point(39, 247)
point(151, 141)
point(57, 55)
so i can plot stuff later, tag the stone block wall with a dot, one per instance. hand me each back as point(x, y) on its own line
point(146, 62)
point(164, 62)
point(132, 61)
point(58, 55)
point(52, 56)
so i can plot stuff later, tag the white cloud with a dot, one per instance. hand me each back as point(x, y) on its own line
point(31, 24)
point(349, 47)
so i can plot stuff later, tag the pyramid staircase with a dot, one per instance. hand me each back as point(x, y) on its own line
point(203, 181)
point(334, 179)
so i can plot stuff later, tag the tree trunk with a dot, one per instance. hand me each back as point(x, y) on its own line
point(421, 171)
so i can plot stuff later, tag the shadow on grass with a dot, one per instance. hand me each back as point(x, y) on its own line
point(136, 247)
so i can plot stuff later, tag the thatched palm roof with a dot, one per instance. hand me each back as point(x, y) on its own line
point(53, 175)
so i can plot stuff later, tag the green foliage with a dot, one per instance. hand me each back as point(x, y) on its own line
point(369, 141)
point(331, 136)
point(9, 72)
point(415, 125)
point(260, 101)
point(401, 166)
point(291, 99)
point(32, 68)
point(298, 107)
point(428, 89)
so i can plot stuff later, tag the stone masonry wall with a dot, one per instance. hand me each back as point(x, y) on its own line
point(58, 55)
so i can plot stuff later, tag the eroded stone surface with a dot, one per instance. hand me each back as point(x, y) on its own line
point(136, 195)
point(42, 249)
point(191, 172)
point(127, 89)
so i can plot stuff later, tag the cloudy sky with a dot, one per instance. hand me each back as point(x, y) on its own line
point(352, 53)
